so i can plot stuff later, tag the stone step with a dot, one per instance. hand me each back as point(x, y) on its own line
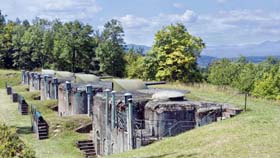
point(84, 141)
point(42, 127)
point(88, 150)
point(43, 133)
point(43, 130)
point(90, 154)
point(42, 124)
point(84, 144)
point(87, 147)
point(43, 137)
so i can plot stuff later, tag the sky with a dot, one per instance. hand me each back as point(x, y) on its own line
point(217, 22)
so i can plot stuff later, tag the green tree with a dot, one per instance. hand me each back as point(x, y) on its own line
point(222, 72)
point(176, 52)
point(246, 79)
point(269, 84)
point(150, 67)
point(73, 46)
point(19, 58)
point(6, 45)
point(110, 51)
point(134, 60)
point(2, 21)
point(31, 49)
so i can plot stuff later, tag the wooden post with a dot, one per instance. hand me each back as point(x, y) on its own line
point(245, 105)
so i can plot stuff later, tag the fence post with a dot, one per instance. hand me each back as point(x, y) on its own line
point(245, 105)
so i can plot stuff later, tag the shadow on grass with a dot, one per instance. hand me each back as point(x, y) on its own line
point(170, 155)
point(24, 130)
point(159, 156)
point(188, 155)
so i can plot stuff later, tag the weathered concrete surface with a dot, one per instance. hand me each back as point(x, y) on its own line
point(152, 119)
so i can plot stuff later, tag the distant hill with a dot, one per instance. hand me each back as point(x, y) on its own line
point(135, 46)
point(253, 52)
point(267, 48)
point(204, 61)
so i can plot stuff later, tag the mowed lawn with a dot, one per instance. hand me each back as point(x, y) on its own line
point(61, 143)
point(253, 134)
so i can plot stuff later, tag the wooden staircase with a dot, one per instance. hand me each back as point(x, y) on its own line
point(87, 147)
point(43, 130)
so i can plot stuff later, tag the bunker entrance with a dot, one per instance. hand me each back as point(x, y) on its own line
point(84, 128)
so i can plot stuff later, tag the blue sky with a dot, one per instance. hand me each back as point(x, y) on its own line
point(217, 22)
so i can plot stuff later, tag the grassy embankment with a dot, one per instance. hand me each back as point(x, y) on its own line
point(62, 136)
point(251, 134)
point(255, 133)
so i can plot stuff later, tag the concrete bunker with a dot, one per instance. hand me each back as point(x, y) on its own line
point(76, 98)
point(50, 82)
point(135, 119)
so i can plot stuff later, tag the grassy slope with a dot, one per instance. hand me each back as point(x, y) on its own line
point(10, 76)
point(255, 133)
point(62, 137)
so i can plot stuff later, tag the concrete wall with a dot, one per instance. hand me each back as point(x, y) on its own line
point(77, 103)
point(99, 128)
point(109, 140)
point(161, 119)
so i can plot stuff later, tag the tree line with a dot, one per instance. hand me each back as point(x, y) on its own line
point(70, 46)
point(260, 80)
point(77, 47)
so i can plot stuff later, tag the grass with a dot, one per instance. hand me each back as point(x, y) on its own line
point(12, 77)
point(255, 133)
point(62, 137)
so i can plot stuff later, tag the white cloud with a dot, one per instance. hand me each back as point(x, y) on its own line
point(187, 16)
point(132, 21)
point(178, 5)
point(238, 26)
point(51, 9)
point(141, 30)
point(224, 27)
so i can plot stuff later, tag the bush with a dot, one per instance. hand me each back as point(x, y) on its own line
point(11, 145)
